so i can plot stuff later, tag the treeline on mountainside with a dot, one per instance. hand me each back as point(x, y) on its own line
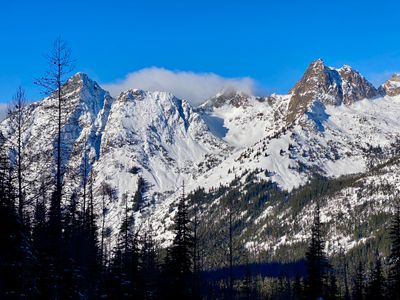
point(54, 245)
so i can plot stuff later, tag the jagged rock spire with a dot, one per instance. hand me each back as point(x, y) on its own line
point(329, 86)
point(391, 87)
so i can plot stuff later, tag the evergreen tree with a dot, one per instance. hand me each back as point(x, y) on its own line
point(358, 283)
point(17, 280)
point(71, 246)
point(332, 288)
point(90, 254)
point(123, 276)
point(41, 245)
point(342, 274)
point(297, 293)
point(178, 264)
point(138, 198)
point(230, 245)
point(316, 260)
point(376, 282)
point(248, 288)
point(196, 198)
point(148, 267)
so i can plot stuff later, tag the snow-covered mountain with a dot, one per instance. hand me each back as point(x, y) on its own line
point(333, 122)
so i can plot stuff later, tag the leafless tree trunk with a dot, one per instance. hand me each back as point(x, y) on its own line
point(17, 119)
point(60, 65)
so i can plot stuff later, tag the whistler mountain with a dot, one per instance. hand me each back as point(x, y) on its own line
point(334, 137)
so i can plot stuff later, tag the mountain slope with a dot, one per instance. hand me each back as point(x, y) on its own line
point(85, 111)
point(333, 124)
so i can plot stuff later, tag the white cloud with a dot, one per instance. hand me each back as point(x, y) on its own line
point(195, 87)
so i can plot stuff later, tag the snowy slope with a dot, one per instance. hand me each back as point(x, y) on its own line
point(84, 116)
point(331, 138)
point(152, 135)
point(162, 138)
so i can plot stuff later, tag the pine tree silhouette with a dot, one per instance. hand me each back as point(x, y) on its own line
point(178, 265)
point(316, 260)
point(16, 261)
point(358, 283)
point(376, 281)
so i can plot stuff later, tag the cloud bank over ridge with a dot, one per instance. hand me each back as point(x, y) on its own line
point(194, 87)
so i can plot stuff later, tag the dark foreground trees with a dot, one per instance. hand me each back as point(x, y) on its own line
point(317, 263)
point(17, 278)
point(178, 266)
point(17, 120)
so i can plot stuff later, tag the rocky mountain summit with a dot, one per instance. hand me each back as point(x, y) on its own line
point(329, 86)
point(392, 86)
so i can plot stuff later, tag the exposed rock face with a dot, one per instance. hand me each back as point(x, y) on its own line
point(391, 87)
point(230, 97)
point(354, 86)
point(329, 86)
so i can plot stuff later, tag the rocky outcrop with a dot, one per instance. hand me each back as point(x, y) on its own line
point(329, 86)
point(228, 97)
point(391, 87)
point(354, 86)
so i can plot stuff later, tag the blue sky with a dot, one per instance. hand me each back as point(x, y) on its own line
point(270, 42)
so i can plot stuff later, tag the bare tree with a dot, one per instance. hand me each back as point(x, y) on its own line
point(17, 119)
point(60, 65)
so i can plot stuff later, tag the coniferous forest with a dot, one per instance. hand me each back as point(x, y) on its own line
point(53, 246)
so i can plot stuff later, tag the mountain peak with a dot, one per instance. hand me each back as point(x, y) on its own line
point(228, 96)
point(395, 77)
point(347, 68)
point(80, 77)
point(330, 86)
point(317, 63)
point(391, 87)
point(80, 80)
point(139, 94)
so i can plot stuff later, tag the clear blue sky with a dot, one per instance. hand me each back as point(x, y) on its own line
point(270, 41)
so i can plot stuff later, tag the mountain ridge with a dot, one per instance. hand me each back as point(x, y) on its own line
point(154, 136)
